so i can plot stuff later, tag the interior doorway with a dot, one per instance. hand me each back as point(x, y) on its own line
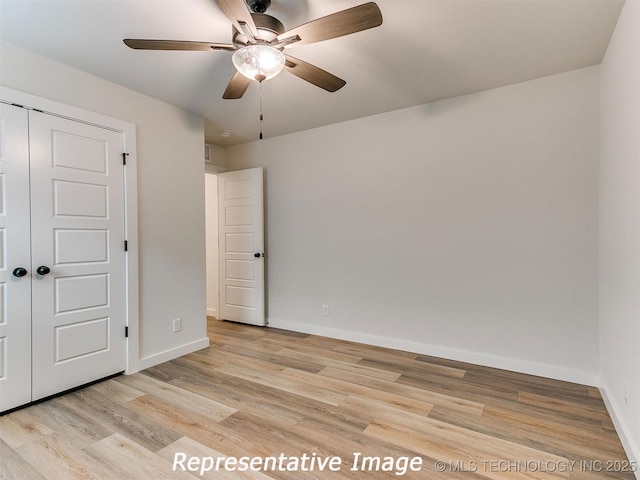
point(211, 218)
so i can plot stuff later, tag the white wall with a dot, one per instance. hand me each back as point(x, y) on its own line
point(619, 242)
point(170, 195)
point(211, 209)
point(465, 228)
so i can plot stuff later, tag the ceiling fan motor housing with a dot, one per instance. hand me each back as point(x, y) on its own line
point(258, 6)
point(268, 30)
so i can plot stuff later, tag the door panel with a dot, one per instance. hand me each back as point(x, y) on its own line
point(240, 242)
point(81, 153)
point(241, 236)
point(76, 199)
point(80, 292)
point(79, 314)
point(80, 246)
point(15, 293)
point(81, 339)
point(240, 270)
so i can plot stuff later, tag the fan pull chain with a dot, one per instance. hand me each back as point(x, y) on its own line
point(261, 116)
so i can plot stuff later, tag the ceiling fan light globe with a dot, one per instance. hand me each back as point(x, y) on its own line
point(258, 62)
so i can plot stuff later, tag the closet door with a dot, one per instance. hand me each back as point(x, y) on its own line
point(15, 290)
point(78, 259)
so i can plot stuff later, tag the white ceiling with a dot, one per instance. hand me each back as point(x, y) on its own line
point(425, 50)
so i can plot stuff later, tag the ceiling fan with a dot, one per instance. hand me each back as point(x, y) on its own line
point(258, 41)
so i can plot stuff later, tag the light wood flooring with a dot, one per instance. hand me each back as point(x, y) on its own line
point(260, 392)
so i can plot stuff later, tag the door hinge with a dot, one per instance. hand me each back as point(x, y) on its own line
point(126, 332)
point(124, 158)
point(126, 246)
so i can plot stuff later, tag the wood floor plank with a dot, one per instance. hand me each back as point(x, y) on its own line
point(176, 398)
point(257, 365)
point(445, 442)
point(180, 421)
point(55, 458)
point(471, 390)
point(308, 348)
point(266, 401)
point(303, 390)
point(70, 420)
point(22, 427)
point(323, 362)
point(350, 389)
point(246, 395)
point(274, 434)
point(12, 465)
point(369, 409)
point(167, 371)
point(553, 437)
point(115, 391)
point(123, 458)
point(369, 352)
point(223, 341)
point(513, 417)
point(529, 383)
point(270, 359)
point(446, 401)
point(195, 449)
point(111, 417)
point(411, 367)
point(328, 441)
point(565, 406)
point(206, 432)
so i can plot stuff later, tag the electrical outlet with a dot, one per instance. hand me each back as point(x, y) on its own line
point(627, 394)
point(177, 325)
point(325, 310)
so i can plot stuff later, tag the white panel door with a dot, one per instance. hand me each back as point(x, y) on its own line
point(78, 259)
point(241, 246)
point(15, 289)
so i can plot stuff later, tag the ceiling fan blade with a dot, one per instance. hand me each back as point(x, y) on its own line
point(141, 44)
point(312, 74)
point(337, 24)
point(237, 12)
point(237, 86)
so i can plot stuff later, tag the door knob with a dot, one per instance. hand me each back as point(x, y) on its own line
point(258, 255)
point(43, 270)
point(19, 272)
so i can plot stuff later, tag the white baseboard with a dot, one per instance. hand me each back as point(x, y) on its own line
point(514, 365)
point(212, 312)
point(630, 447)
point(167, 355)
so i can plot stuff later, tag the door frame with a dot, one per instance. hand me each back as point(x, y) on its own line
point(51, 107)
point(212, 282)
